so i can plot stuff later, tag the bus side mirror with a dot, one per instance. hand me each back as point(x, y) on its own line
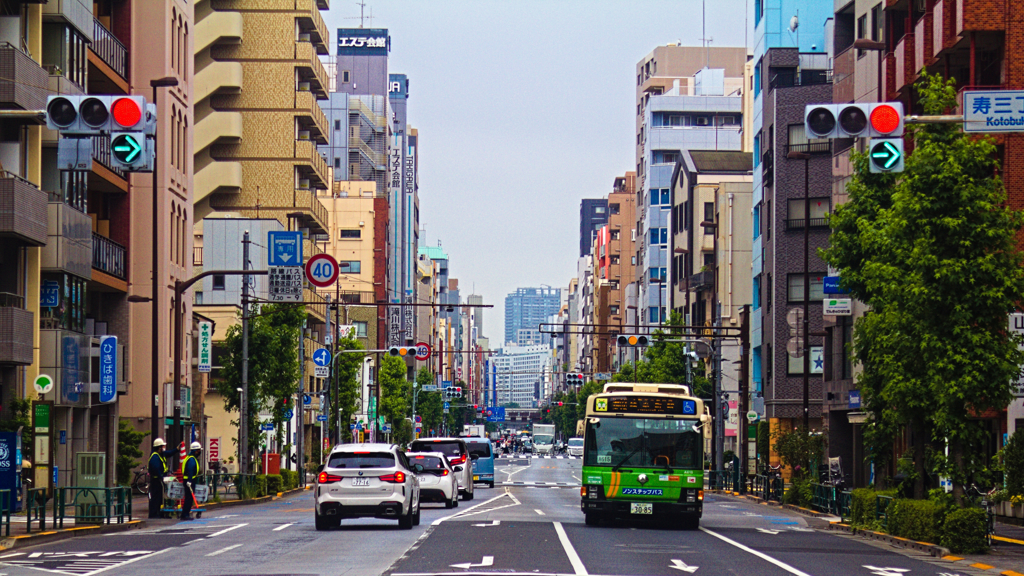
point(705, 418)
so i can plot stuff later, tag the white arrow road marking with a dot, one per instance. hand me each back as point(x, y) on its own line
point(225, 516)
point(487, 561)
point(760, 555)
point(799, 529)
point(886, 571)
point(767, 531)
point(680, 565)
point(498, 522)
point(283, 526)
point(223, 550)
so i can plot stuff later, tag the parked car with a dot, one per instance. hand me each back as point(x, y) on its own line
point(481, 452)
point(457, 452)
point(367, 481)
point(437, 480)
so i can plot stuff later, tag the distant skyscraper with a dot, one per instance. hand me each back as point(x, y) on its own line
point(528, 308)
point(593, 215)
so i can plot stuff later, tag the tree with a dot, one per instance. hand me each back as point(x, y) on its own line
point(665, 362)
point(428, 404)
point(932, 252)
point(345, 394)
point(800, 450)
point(585, 392)
point(128, 442)
point(395, 391)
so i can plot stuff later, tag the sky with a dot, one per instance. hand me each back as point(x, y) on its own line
point(523, 109)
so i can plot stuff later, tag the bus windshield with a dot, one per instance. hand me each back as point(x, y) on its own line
point(644, 442)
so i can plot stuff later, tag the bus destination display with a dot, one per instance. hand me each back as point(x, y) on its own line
point(646, 405)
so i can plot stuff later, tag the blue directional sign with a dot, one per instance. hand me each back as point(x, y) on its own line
point(496, 414)
point(267, 426)
point(447, 405)
point(351, 426)
point(321, 418)
point(307, 399)
point(108, 369)
point(285, 248)
point(288, 414)
point(322, 357)
point(49, 294)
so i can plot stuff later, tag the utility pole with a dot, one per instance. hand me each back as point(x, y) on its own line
point(807, 297)
point(243, 409)
point(744, 432)
point(298, 405)
point(719, 402)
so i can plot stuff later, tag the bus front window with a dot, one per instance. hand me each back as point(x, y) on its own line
point(644, 442)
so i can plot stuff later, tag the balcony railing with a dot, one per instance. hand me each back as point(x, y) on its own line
point(109, 49)
point(823, 147)
point(804, 78)
point(101, 154)
point(108, 256)
point(701, 280)
point(8, 300)
point(24, 85)
point(197, 255)
point(798, 223)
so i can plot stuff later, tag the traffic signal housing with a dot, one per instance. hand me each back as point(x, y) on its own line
point(574, 379)
point(92, 115)
point(402, 351)
point(868, 119)
point(885, 155)
point(632, 340)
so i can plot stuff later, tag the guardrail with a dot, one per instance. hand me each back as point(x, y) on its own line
point(882, 509)
point(35, 508)
point(222, 486)
point(92, 505)
point(768, 488)
point(831, 500)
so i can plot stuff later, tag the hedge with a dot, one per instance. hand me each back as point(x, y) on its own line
point(964, 531)
point(918, 520)
point(800, 493)
point(862, 506)
point(290, 479)
point(274, 483)
point(261, 486)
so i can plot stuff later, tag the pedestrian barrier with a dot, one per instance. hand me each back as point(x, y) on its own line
point(767, 488)
point(882, 504)
point(225, 486)
point(831, 500)
point(35, 508)
point(6, 504)
point(92, 505)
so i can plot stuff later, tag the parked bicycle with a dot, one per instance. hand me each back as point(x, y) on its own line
point(140, 482)
point(984, 499)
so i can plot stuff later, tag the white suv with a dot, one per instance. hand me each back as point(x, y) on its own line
point(367, 480)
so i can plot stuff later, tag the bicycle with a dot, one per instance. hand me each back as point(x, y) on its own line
point(140, 482)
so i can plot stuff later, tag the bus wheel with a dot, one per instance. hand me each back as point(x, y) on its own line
point(689, 523)
point(592, 519)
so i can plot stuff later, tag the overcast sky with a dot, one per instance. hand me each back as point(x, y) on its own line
point(524, 108)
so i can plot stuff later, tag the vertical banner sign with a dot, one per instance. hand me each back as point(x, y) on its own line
point(214, 450)
point(410, 319)
point(205, 345)
point(1017, 327)
point(108, 369)
point(394, 325)
point(395, 167)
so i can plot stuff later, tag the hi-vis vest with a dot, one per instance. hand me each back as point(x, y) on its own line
point(184, 467)
point(163, 461)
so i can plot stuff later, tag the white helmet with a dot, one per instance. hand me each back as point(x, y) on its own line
point(196, 446)
point(159, 442)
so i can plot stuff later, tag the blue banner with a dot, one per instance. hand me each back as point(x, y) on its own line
point(49, 294)
point(108, 369)
point(831, 286)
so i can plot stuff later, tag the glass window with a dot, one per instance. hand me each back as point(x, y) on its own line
point(346, 77)
point(349, 267)
point(819, 210)
point(709, 211)
point(480, 449)
point(757, 150)
point(218, 281)
point(666, 199)
point(796, 287)
point(757, 78)
point(757, 221)
point(598, 209)
point(647, 442)
point(337, 124)
point(360, 329)
point(361, 460)
point(448, 448)
point(350, 233)
point(433, 464)
point(878, 29)
point(756, 295)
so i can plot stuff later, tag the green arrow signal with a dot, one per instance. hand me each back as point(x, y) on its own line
point(126, 147)
point(888, 153)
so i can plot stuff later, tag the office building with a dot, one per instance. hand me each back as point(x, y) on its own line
point(529, 308)
point(518, 374)
point(593, 215)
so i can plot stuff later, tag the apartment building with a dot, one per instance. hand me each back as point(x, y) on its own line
point(527, 308)
point(593, 215)
point(614, 264)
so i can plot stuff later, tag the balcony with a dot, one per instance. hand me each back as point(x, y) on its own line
point(843, 74)
point(197, 256)
point(101, 154)
point(311, 69)
point(77, 13)
point(216, 78)
point(314, 212)
point(768, 166)
point(218, 27)
point(923, 34)
point(23, 83)
point(311, 117)
point(311, 164)
point(702, 280)
point(217, 177)
point(819, 147)
point(16, 328)
point(312, 22)
point(108, 257)
point(23, 209)
point(109, 49)
point(318, 310)
point(798, 223)
point(904, 55)
point(310, 248)
point(69, 246)
point(791, 79)
point(217, 128)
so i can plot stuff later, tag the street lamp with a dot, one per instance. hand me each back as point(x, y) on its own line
point(807, 284)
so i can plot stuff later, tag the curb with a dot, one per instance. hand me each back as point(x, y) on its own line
point(23, 540)
point(926, 547)
point(747, 497)
point(260, 500)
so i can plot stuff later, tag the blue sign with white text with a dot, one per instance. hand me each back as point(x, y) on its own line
point(496, 414)
point(49, 294)
point(321, 418)
point(285, 248)
point(830, 285)
point(854, 399)
point(108, 369)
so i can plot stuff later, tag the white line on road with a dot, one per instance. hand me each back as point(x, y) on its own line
point(227, 530)
point(539, 511)
point(223, 550)
point(136, 559)
point(760, 555)
point(574, 558)
point(283, 526)
point(463, 513)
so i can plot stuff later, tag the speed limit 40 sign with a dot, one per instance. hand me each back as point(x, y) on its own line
point(322, 270)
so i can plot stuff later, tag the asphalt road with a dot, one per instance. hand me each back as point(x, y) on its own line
point(529, 523)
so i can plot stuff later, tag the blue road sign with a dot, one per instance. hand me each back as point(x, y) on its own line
point(285, 248)
point(447, 405)
point(63, 437)
point(321, 418)
point(307, 399)
point(267, 426)
point(322, 357)
point(288, 414)
point(496, 414)
point(108, 369)
point(386, 428)
point(49, 294)
point(351, 426)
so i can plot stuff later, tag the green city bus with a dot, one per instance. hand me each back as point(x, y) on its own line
point(643, 454)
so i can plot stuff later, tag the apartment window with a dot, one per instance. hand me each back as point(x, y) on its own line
point(613, 309)
point(799, 142)
point(768, 219)
point(878, 25)
point(350, 233)
point(613, 208)
point(349, 267)
point(660, 197)
point(599, 210)
point(757, 150)
point(632, 260)
point(758, 11)
point(614, 260)
point(726, 120)
point(337, 163)
point(337, 124)
point(757, 221)
point(768, 291)
point(346, 77)
point(657, 274)
point(795, 287)
point(819, 212)
point(862, 31)
point(615, 235)
point(666, 198)
point(218, 281)
point(756, 293)
point(757, 78)
point(360, 329)
point(65, 50)
point(709, 261)
point(659, 236)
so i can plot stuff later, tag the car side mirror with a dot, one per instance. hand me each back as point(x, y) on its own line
point(457, 468)
point(474, 456)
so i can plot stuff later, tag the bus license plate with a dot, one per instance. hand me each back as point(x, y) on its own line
point(360, 481)
point(641, 508)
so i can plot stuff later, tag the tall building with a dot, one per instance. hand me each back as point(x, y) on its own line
point(593, 215)
point(518, 374)
point(529, 308)
point(686, 99)
point(614, 268)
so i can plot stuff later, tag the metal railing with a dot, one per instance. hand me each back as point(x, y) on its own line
point(109, 256)
point(817, 147)
point(882, 504)
point(109, 49)
point(92, 505)
point(798, 223)
point(197, 255)
point(767, 488)
point(791, 79)
point(101, 154)
point(226, 486)
point(35, 508)
point(8, 300)
point(832, 500)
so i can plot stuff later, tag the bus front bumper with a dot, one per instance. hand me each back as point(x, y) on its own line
point(622, 508)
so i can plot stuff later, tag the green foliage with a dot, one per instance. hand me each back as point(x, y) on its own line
point(800, 450)
point(260, 486)
point(586, 391)
point(401, 432)
point(1013, 463)
point(564, 417)
point(763, 442)
point(289, 480)
point(275, 483)
point(274, 332)
point(429, 405)
point(939, 236)
point(918, 520)
point(20, 411)
point(862, 507)
point(128, 443)
point(345, 385)
point(964, 531)
point(799, 493)
point(395, 390)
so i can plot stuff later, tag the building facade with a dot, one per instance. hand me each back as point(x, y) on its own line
point(528, 308)
point(593, 215)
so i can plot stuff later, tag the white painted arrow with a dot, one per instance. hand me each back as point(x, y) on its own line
point(498, 522)
point(767, 531)
point(886, 571)
point(799, 529)
point(680, 565)
point(487, 561)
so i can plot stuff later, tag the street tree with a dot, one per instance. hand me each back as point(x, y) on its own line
point(395, 390)
point(428, 404)
point(345, 389)
point(932, 252)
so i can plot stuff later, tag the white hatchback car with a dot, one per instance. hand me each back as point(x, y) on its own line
point(438, 481)
point(367, 480)
point(575, 447)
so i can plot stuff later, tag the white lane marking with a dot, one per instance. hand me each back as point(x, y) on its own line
point(283, 526)
point(574, 558)
point(487, 561)
point(493, 523)
point(136, 559)
point(767, 531)
point(539, 511)
point(464, 512)
point(680, 565)
point(760, 555)
point(227, 530)
point(223, 550)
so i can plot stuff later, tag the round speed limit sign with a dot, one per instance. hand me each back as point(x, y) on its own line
point(322, 270)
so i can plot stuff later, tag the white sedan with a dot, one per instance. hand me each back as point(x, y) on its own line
point(438, 482)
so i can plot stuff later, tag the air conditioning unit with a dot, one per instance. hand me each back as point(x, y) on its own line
point(703, 121)
point(304, 184)
point(303, 86)
point(303, 134)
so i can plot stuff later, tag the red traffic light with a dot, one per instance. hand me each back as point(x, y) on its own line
point(559, 403)
point(126, 112)
point(885, 118)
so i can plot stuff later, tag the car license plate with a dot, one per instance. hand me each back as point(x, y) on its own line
point(641, 508)
point(360, 481)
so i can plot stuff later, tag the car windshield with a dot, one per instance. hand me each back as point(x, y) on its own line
point(429, 463)
point(543, 439)
point(576, 442)
point(361, 460)
point(479, 449)
point(648, 442)
point(447, 448)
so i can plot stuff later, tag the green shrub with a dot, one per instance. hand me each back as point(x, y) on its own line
point(964, 531)
point(290, 478)
point(261, 486)
point(799, 493)
point(862, 506)
point(274, 483)
point(1013, 463)
point(918, 520)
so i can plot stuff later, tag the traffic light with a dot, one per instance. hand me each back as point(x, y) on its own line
point(574, 379)
point(91, 115)
point(559, 404)
point(632, 340)
point(885, 155)
point(402, 351)
point(872, 120)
